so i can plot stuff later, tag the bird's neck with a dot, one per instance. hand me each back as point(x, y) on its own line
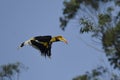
point(54, 39)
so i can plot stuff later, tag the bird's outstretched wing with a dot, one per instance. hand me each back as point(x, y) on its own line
point(45, 50)
point(43, 38)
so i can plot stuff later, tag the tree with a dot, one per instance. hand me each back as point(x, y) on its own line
point(101, 18)
point(10, 70)
point(100, 73)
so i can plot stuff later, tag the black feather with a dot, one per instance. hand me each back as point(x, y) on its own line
point(22, 44)
point(43, 38)
point(44, 50)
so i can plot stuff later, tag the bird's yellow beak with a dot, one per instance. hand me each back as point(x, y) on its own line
point(63, 40)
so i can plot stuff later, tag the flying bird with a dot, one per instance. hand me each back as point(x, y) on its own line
point(43, 43)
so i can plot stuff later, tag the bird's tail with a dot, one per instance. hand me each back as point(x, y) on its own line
point(21, 45)
point(24, 43)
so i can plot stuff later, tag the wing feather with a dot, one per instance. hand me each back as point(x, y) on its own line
point(44, 50)
point(43, 38)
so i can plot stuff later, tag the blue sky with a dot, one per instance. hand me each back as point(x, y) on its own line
point(23, 19)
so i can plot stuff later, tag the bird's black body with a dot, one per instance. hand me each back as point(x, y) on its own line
point(43, 43)
point(39, 44)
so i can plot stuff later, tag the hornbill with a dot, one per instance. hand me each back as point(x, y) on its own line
point(43, 43)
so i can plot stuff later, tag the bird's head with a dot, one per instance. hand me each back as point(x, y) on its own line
point(61, 38)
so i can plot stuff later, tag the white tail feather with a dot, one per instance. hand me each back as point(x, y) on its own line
point(24, 44)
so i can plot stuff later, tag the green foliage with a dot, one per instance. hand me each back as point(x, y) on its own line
point(9, 70)
point(83, 77)
point(111, 43)
point(117, 2)
point(63, 23)
point(72, 7)
point(110, 9)
point(70, 11)
point(98, 74)
point(103, 19)
point(106, 26)
point(108, 37)
point(88, 26)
